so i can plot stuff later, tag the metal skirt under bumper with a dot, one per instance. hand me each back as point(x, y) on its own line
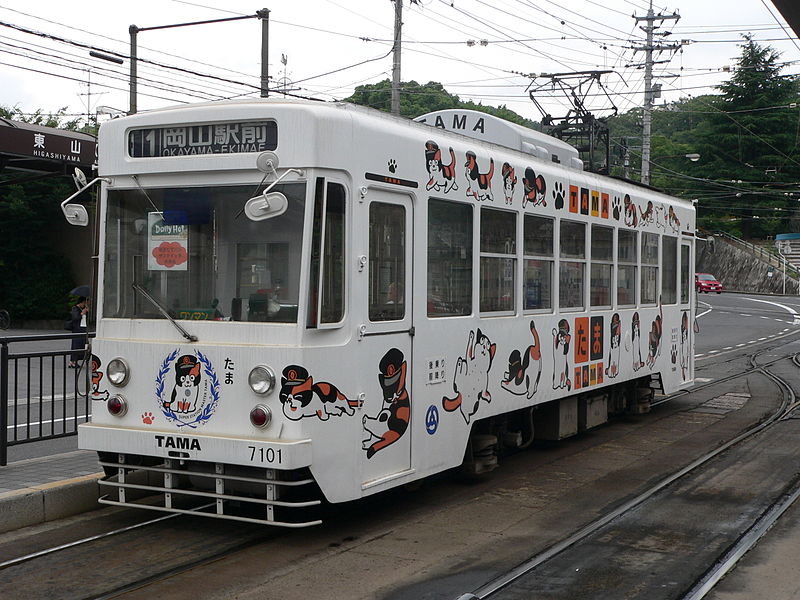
point(249, 494)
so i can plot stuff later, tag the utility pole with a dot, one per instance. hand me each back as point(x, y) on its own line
point(398, 27)
point(133, 30)
point(263, 14)
point(650, 92)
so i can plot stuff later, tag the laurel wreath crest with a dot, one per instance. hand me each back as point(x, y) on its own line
point(214, 385)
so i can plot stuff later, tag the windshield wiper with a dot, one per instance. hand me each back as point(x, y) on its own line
point(163, 311)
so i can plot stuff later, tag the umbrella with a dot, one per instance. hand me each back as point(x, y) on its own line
point(81, 290)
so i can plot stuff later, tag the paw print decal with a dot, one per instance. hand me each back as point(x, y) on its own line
point(558, 195)
point(392, 165)
point(616, 208)
point(147, 418)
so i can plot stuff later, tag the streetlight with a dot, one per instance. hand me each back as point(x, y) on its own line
point(262, 14)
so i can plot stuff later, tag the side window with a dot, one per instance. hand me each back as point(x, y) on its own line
point(498, 260)
point(449, 258)
point(627, 260)
point(327, 252)
point(649, 268)
point(538, 270)
point(685, 271)
point(387, 261)
point(602, 262)
point(669, 274)
point(572, 264)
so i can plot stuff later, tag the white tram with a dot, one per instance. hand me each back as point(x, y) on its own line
point(303, 300)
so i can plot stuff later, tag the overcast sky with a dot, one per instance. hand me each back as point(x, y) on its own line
point(479, 50)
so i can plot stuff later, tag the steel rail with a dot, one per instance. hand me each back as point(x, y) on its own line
point(768, 518)
point(99, 536)
point(500, 582)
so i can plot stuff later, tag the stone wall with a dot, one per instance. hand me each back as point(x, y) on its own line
point(739, 270)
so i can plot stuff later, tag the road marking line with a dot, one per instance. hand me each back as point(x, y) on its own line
point(81, 418)
point(728, 348)
point(795, 315)
point(740, 345)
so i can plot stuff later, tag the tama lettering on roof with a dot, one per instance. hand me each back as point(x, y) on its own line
point(457, 122)
point(489, 128)
point(213, 138)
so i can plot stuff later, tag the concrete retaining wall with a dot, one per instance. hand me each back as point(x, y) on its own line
point(738, 270)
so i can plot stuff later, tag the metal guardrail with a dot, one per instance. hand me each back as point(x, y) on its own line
point(41, 398)
point(758, 251)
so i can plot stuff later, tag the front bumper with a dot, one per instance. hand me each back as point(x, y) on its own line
point(272, 454)
point(254, 481)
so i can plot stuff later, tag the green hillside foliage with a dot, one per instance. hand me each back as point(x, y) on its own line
point(748, 138)
point(417, 99)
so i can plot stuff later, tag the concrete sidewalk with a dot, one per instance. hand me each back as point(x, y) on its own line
point(42, 489)
point(60, 484)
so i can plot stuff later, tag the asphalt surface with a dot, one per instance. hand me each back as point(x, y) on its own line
point(438, 555)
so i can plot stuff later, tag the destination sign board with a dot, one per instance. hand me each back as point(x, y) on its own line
point(212, 138)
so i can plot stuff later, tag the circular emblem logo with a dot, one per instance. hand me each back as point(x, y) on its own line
point(187, 388)
point(432, 419)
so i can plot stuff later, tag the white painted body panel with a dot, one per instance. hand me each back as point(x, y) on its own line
point(344, 144)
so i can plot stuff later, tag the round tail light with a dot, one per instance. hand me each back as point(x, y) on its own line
point(117, 405)
point(260, 416)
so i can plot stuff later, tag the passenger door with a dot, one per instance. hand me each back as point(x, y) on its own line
point(385, 336)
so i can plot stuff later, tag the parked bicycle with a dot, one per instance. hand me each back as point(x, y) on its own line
point(5, 319)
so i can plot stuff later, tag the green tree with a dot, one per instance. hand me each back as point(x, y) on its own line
point(751, 136)
point(417, 99)
point(748, 141)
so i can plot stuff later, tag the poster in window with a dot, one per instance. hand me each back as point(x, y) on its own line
point(167, 245)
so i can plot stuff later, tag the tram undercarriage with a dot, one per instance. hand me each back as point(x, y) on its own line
point(551, 421)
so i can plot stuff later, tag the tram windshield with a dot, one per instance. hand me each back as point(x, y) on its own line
point(199, 257)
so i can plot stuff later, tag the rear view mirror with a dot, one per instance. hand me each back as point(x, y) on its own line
point(266, 206)
point(76, 214)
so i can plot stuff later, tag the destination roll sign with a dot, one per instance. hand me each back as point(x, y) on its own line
point(213, 138)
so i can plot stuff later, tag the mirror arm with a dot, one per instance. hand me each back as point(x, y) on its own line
point(80, 191)
point(277, 180)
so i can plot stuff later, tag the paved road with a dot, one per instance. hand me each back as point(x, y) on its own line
point(730, 322)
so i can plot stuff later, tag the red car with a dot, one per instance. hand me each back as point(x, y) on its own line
point(705, 282)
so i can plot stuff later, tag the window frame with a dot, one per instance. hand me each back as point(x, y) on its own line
point(549, 259)
point(627, 264)
point(603, 262)
point(469, 261)
point(315, 308)
point(675, 269)
point(401, 274)
point(509, 256)
point(564, 259)
point(649, 266)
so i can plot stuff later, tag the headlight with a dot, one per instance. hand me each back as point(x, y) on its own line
point(118, 372)
point(261, 379)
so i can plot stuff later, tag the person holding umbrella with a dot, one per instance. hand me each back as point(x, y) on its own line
point(78, 320)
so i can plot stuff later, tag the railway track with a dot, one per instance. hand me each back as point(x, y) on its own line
point(521, 581)
point(172, 531)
